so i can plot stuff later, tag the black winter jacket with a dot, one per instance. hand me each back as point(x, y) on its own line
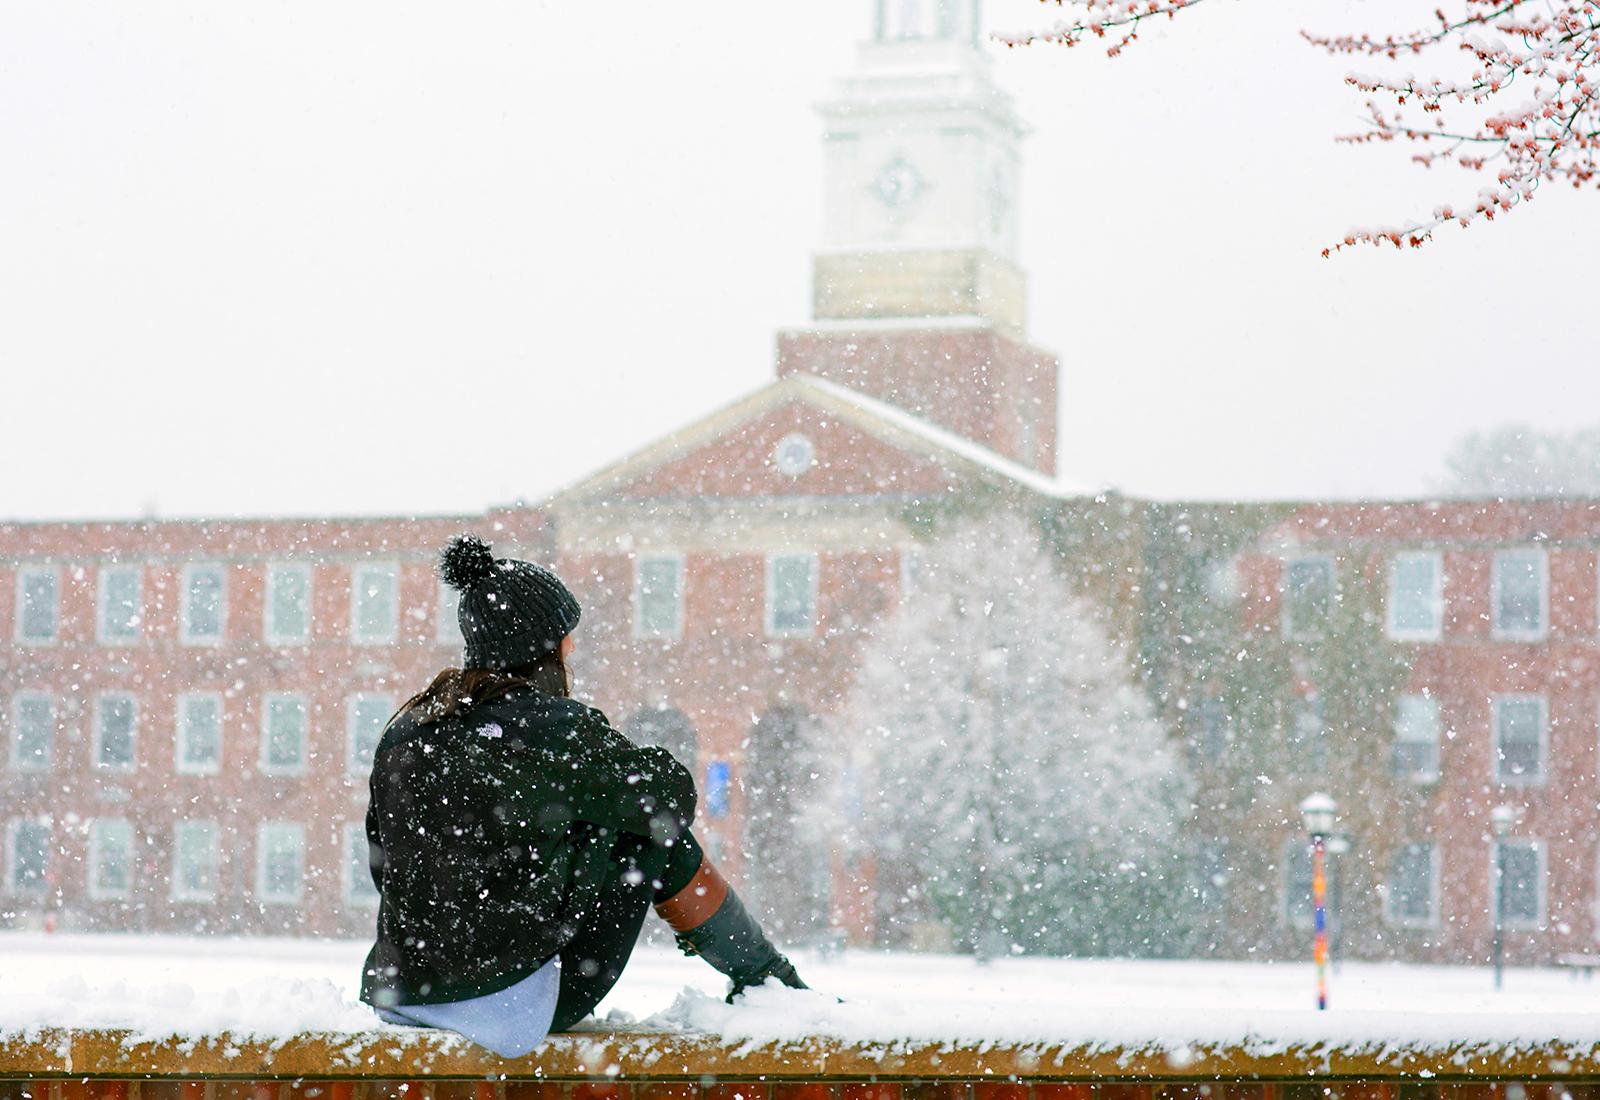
point(490, 833)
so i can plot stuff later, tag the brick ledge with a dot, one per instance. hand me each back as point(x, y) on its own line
point(665, 1056)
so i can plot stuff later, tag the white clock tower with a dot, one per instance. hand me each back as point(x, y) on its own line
point(921, 168)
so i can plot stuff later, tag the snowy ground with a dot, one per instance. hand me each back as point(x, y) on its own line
point(272, 987)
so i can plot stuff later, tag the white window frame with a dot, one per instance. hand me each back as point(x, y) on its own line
point(22, 575)
point(97, 830)
point(186, 595)
point(180, 763)
point(392, 571)
point(269, 624)
point(446, 627)
point(1595, 902)
point(675, 632)
point(13, 827)
point(263, 830)
point(14, 755)
point(97, 744)
point(1436, 598)
point(351, 708)
point(347, 835)
point(1541, 850)
point(1510, 635)
point(177, 892)
point(106, 572)
point(1394, 918)
point(1285, 617)
point(771, 606)
point(1438, 736)
point(263, 761)
point(1495, 702)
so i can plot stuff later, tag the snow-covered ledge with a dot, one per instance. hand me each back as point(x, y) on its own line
point(664, 1056)
point(204, 1018)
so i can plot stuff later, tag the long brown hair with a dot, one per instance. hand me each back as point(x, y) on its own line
point(457, 689)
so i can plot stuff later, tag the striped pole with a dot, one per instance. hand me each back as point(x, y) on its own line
point(1319, 897)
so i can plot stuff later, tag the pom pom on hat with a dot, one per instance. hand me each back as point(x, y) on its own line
point(510, 612)
point(466, 563)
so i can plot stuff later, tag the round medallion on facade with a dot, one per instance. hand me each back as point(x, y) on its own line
point(794, 454)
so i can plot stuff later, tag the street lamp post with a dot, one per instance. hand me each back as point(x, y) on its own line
point(1319, 813)
point(1501, 819)
point(1337, 845)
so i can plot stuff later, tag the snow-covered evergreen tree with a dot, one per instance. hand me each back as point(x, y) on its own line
point(1517, 461)
point(1020, 790)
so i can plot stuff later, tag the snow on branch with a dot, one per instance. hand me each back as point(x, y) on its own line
point(1117, 21)
point(1541, 52)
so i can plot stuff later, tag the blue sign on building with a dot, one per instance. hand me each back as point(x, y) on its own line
point(717, 777)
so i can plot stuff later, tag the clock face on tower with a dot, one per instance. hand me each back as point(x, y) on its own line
point(897, 184)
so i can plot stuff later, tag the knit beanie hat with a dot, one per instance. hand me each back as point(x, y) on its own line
point(511, 612)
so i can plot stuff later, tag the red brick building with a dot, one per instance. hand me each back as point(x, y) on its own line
point(190, 707)
point(1479, 626)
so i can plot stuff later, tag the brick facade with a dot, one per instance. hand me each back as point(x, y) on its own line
point(972, 379)
point(1483, 644)
point(80, 789)
point(716, 508)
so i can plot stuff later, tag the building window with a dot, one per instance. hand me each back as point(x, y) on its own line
point(374, 604)
point(1416, 597)
point(280, 862)
point(1308, 735)
point(288, 604)
point(205, 589)
point(38, 604)
point(359, 889)
point(121, 604)
point(1521, 597)
point(364, 722)
point(110, 859)
point(791, 594)
point(1522, 878)
point(33, 731)
point(658, 596)
point(1519, 738)
point(1307, 596)
point(28, 857)
point(1411, 897)
point(1416, 738)
point(447, 630)
point(199, 748)
point(283, 734)
point(194, 861)
point(116, 728)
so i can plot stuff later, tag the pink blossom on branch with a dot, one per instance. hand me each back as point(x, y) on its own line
point(1546, 53)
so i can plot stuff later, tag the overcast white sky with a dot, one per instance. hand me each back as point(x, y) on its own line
point(377, 258)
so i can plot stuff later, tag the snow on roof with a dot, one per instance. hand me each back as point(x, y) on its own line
point(947, 440)
point(889, 324)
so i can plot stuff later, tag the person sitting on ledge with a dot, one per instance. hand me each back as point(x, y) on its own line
point(517, 839)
